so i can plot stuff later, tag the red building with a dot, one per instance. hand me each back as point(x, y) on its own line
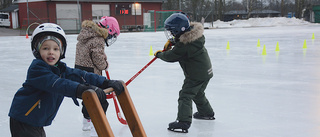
point(70, 13)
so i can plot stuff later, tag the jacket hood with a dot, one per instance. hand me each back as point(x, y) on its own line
point(91, 29)
point(192, 35)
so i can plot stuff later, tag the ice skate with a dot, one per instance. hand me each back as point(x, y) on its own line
point(93, 132)
point(86, 124)
point(179, 126)
point(204, 117)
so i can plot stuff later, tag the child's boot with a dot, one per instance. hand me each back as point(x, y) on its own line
point(93, 132)
point(179, 126)
point(86, 124)
point(197, 115)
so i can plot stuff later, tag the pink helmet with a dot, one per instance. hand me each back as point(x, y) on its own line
point(112, 25)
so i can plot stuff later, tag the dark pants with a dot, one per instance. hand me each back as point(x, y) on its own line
point(20, 129)
point(193, 90)
point(103, 101)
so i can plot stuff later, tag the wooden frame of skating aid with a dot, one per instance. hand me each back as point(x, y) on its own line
point(96, 113)
point(99, 119)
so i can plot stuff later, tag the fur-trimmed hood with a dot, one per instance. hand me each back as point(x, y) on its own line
point(91, 29)
point(192, 35)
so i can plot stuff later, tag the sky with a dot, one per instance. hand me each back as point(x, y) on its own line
point(255, 95)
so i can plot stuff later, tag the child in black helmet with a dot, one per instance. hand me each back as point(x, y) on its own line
point(188, 41)
point(48, 81)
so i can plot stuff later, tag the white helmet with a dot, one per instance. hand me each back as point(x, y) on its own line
point(48, 29)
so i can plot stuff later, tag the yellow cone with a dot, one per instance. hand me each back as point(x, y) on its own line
point(305, 44)
point(151, 51)
point(313, 36)
point(258, 44)
point(228, 46)
point(277, 47)
point(264, 52)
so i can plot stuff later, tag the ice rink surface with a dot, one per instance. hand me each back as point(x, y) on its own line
point(253, 95)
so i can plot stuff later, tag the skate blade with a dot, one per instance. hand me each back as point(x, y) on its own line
point(206, 118)
point(178, 130)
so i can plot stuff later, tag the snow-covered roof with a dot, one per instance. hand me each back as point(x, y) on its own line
point(252, 12)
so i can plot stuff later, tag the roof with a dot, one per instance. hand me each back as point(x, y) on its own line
point(10, 8)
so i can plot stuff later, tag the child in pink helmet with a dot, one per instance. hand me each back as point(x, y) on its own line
point(90, 55)
point(112, 25)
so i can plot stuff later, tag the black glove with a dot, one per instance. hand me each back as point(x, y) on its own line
point(83, 87)
point(100, 93)
point(115, 84)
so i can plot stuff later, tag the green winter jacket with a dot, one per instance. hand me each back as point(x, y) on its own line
point(191, 54)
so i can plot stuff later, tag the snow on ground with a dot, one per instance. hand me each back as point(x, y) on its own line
point(257, 22)
point(273, 95)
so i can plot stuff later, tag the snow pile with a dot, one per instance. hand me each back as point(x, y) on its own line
point(257, 22)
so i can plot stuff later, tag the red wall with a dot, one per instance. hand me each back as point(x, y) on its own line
point(86, 13)
point(132, 19)
point(46, 11)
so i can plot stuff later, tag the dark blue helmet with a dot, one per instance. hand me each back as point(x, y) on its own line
point(177, 24)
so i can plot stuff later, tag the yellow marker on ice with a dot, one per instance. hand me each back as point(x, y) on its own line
point(151, 51)
point(305, 44)
point(264, 52)
point(228, 46)
point(313, 36)
point(258, 44)
point(277, 47)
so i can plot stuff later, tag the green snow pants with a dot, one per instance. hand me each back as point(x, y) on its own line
point(193, 90)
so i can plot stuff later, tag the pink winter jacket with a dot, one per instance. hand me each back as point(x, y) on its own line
point(90, 47)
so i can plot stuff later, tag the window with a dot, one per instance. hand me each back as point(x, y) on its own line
point(136, 9)
point(4, 16)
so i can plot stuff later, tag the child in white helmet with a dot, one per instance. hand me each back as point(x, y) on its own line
point(48, 81)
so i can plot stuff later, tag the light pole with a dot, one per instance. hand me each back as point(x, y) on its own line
point(28, 12)
point(135, 15)
point(79, 14)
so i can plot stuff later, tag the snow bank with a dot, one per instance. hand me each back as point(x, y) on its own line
point(257, 22)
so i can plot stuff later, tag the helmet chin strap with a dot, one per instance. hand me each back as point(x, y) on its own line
point(106, 41)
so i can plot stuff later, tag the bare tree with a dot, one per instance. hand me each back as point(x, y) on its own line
point(171, 5)
point(298, 8)
point(252, 5)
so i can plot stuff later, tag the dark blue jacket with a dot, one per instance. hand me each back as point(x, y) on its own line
point(38, 100)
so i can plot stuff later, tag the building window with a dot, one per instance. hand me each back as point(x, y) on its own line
point(136, 9)
point(123, 9)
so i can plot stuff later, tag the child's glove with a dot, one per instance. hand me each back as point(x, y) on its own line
point(168, 45)
point(115, 84)
point(83, 87)
point(100, 93)
point(155, 54)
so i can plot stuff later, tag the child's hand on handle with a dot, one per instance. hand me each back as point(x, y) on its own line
point(83, 87)
point(116, 85)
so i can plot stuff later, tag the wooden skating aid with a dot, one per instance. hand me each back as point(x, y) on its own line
point(96, 113)
point(99, 119)
point(129, 112)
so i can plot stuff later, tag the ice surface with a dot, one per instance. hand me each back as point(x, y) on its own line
point(275, 95)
